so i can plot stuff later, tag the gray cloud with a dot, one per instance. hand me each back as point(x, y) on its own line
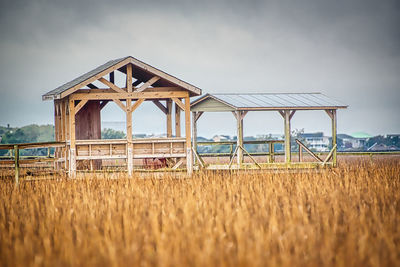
point(346, 49)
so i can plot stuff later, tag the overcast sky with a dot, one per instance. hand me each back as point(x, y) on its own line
point(349, 50)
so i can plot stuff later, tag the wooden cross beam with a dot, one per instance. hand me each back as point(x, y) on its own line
point(198, 115)
point(136, 105)
point(329, 112)
point(179, 103)
point(111, 85)
point(80, 105)
point(160, 106)
point(147, 84)
point(120, 104)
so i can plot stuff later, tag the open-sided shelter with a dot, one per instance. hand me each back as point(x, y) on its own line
point(77, 106)
point(285, 104)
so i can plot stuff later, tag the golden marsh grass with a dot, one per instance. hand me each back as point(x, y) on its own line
point(348, 216)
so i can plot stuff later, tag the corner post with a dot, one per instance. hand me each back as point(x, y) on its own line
point(129, 144)
point(72, 154)
point(189, 156)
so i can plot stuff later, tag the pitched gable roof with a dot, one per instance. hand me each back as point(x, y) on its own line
point(141, 71)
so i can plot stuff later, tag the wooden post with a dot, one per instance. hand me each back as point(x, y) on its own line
point(287, 136)
point(300, 153)
point(189, 158)
point(129, 120)
point(169, 118)
point(194, 130)
point(177, 121)
point(16, 163)
point(334, 133)
point(270, 148)
point(72, 154)
point(239, 122)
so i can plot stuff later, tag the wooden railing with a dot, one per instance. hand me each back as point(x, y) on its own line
point(142, 148)
point(16, 159)
point(271, 153)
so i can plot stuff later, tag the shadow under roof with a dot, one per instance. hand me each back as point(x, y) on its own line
point(265, 101)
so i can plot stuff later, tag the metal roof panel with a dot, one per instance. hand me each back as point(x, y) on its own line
point(277, 101)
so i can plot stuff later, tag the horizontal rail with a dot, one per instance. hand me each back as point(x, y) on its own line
point(33, 145)
point(230, 154)
point(210, 143)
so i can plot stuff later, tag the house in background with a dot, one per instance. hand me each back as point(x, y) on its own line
point(316, 141)
point(355, 141)
point(221, 138)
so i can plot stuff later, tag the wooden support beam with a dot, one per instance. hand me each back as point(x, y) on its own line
point(179, 103)
point(160, 106)
point(334, 134)
point(147, 84)
point(169, 118)
point(120, 104)
point(164, 89)
point(177, 121)
point(129, 78)
point(194, 133)
point(239, 129)
point(178, 164)
point(291, 114)
point(287, 136)
point(111, 85)
point(198, 115)
point(189, 156)
point(129, 146)
point(136, 104)
point(303, 146)
point(80, 105)
point(134, 95)
point(72, 151)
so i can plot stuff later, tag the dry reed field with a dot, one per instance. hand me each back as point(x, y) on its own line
point(348, 216)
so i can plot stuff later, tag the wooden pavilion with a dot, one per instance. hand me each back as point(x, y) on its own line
point(285, 104)
point(77, 106)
